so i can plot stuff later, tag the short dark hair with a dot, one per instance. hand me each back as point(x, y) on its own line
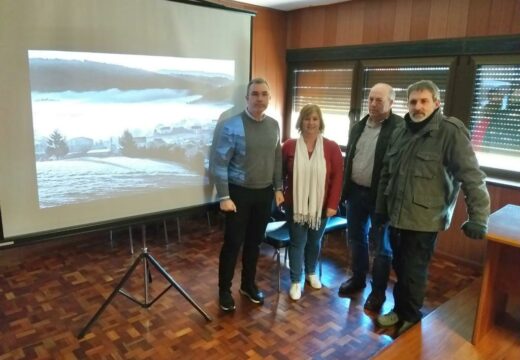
point(258, 80)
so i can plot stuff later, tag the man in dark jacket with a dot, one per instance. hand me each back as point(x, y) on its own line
point(366, 148)
point(427, 161)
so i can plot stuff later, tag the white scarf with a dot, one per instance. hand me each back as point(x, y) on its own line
point(308, 183)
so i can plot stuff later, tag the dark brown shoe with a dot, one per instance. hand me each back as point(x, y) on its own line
point(374, 302)
point(351, 286)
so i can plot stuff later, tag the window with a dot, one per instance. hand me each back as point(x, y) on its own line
point(330, 87)
point(495, 116)
point(483, 91)
point(400, 77)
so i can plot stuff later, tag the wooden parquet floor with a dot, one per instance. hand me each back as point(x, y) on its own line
point(49, 291)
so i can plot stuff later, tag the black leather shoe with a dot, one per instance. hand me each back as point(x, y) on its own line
point(374, 302)
point(226, 301)
point(252, 292)
point(351, 286)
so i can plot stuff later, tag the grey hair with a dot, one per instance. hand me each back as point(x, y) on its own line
point(424, 85)
point(258, 80)
point(391, 91)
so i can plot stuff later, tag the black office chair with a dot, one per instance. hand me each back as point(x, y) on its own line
point(277, 236)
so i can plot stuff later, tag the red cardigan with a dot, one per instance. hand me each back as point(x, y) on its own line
point(333, 178)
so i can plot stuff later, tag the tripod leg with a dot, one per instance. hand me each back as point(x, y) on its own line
point(131, 240)
point(165, 231)
point(177, 286)
point(147, 279)
point(109, 299)
point(178, 229)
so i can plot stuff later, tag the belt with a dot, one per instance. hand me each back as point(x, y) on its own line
point(360, 187)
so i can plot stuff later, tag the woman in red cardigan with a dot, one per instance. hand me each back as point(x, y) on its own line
point(313, 176)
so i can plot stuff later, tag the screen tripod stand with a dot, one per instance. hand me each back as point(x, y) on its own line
point(147, 261)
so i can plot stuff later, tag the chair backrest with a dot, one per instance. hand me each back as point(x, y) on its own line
point(273, 226)
point(277, 234)
point(339, 221)
point(335, 223)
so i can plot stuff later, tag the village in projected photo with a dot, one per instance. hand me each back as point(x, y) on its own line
point(108, 125)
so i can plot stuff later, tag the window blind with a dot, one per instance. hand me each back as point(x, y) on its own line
point(400, 77)
point(495, 111)
point(328, 86)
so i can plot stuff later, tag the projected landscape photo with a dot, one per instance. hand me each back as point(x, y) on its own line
point(109, 125)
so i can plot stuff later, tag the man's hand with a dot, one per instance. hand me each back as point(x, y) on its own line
point(474, 230)
point(227, 205)
point(278, 198)
point(379, 220)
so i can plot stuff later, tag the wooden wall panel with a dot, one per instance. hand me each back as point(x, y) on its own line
point(382, 21)
point(420, 19)
point(438, 23)
point(330, 30)
point(269, 44)
point(453, 243)
point(350, 23)
point(515, 28)
point(387, 19)
point(312, 29)
point(501, 17)
point(378, 21)
point(403, 10)
point(478, 17)
point(501, 196)
point(371, 19)
point(457, 18)
point(294, 25)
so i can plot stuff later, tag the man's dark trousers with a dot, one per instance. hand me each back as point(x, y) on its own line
point(245, 226)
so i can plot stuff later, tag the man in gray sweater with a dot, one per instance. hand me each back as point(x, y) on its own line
point(246, 166)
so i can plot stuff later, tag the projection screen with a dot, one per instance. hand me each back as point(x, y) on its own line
point(108, 107)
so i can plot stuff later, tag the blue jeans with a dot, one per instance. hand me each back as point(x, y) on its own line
point(304, 247)
point(359, 215)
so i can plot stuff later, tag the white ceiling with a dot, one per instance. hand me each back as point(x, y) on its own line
point(287, 5)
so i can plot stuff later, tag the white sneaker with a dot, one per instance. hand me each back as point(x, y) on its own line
point(314, 281)
point(295, 292)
